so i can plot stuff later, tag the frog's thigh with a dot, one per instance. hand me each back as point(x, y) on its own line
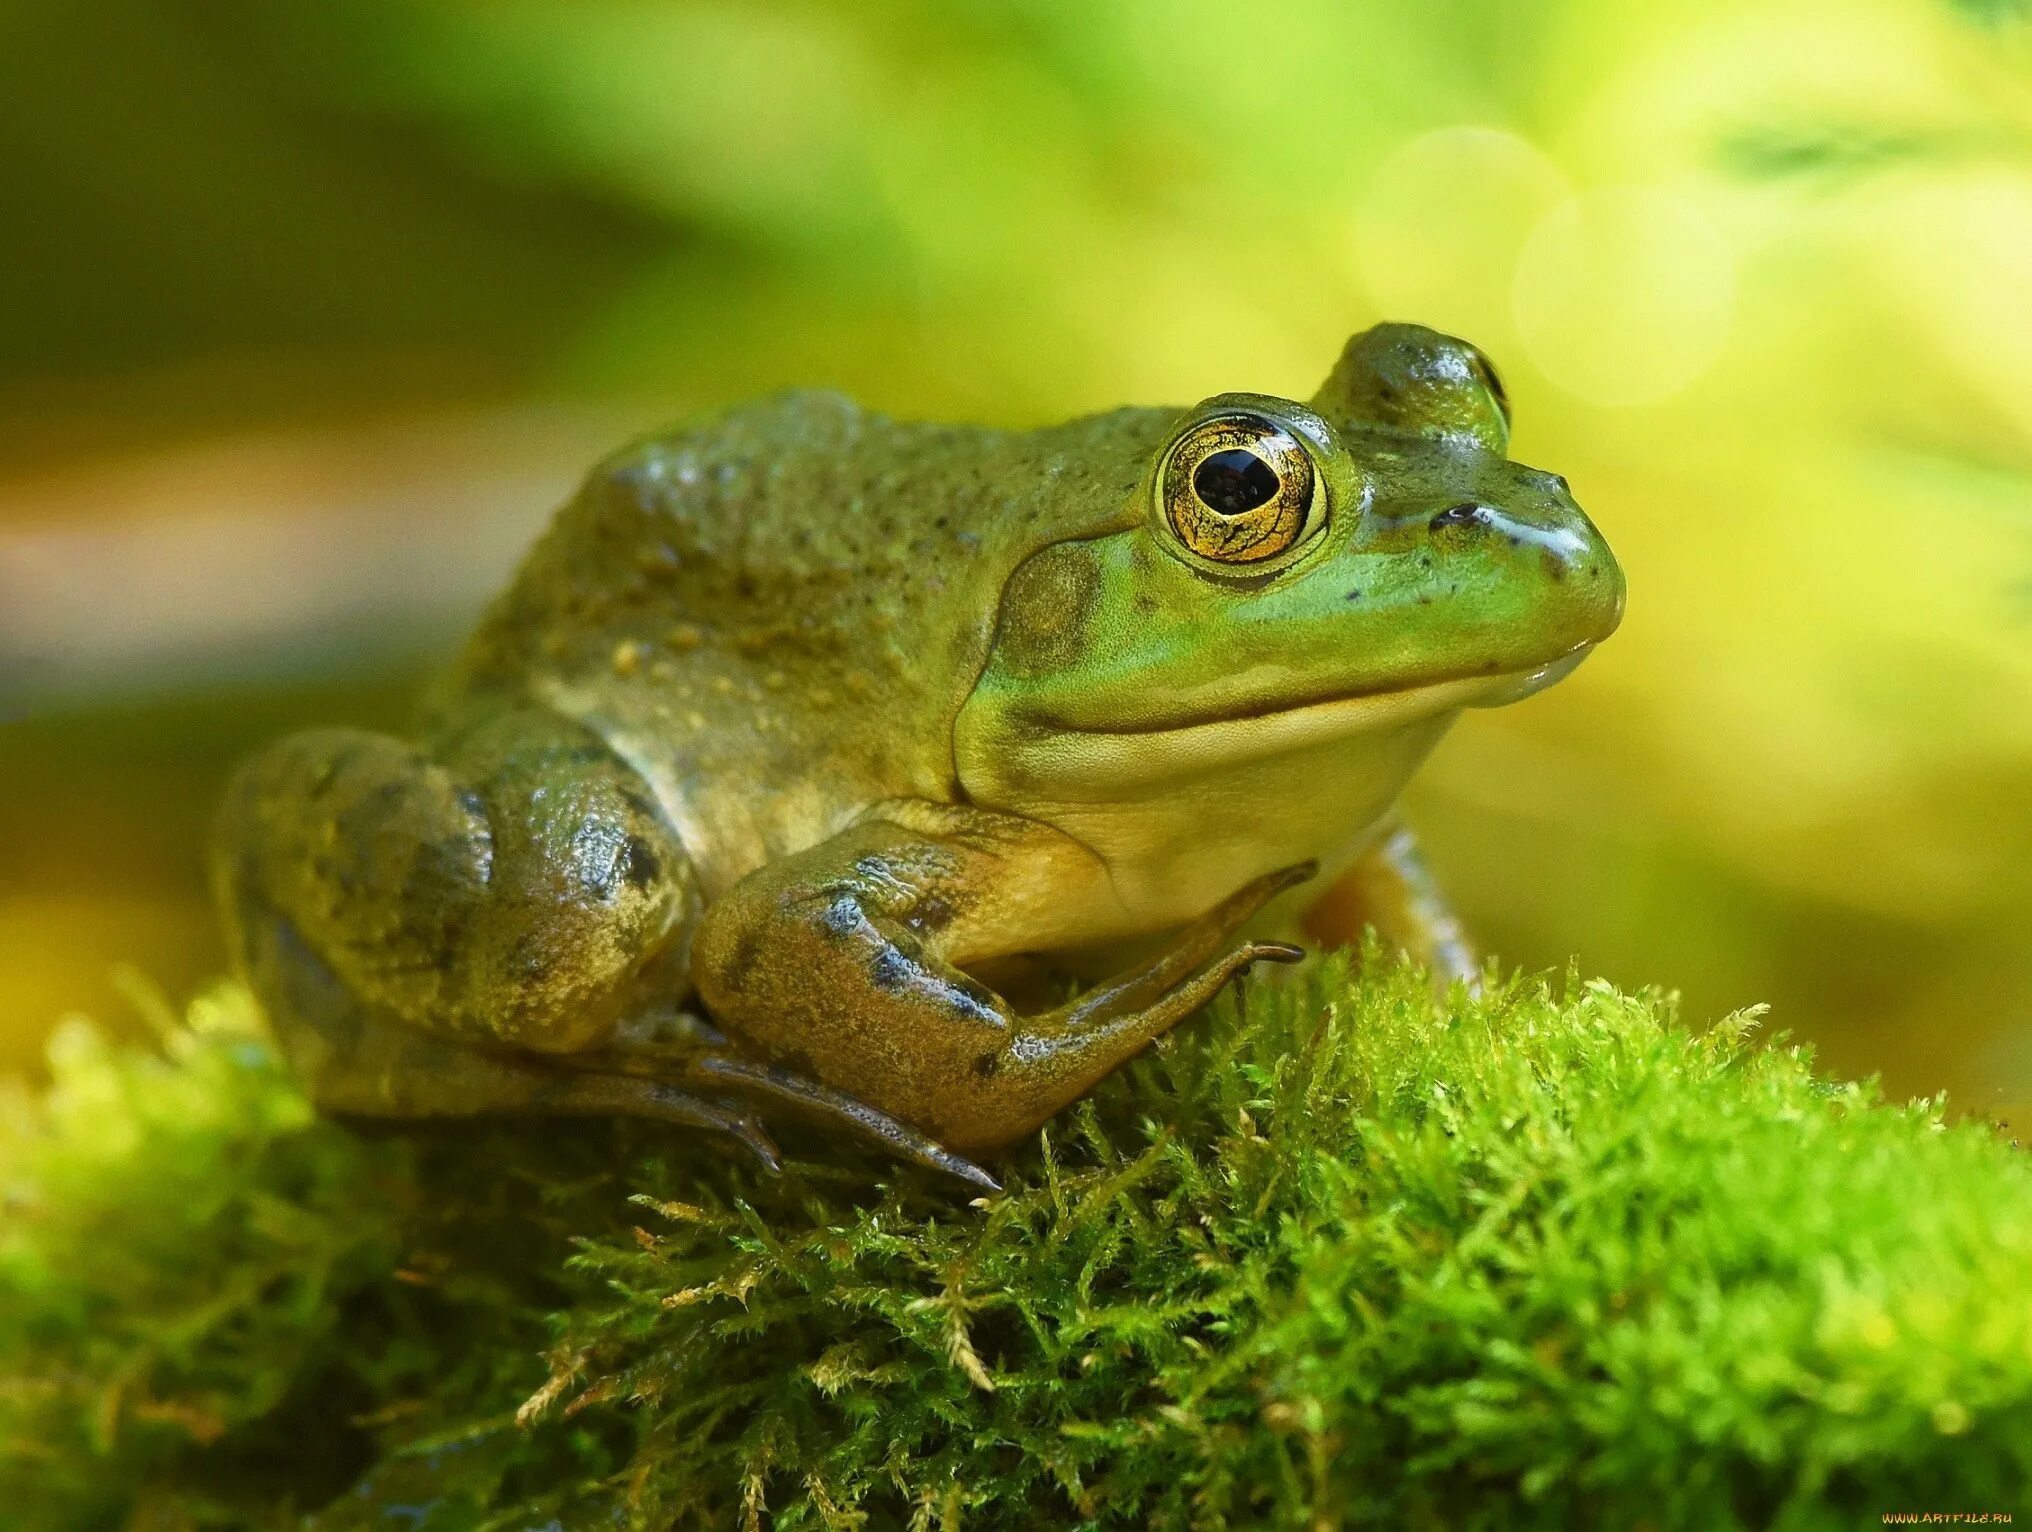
point(525, 902)
point(1391, 888)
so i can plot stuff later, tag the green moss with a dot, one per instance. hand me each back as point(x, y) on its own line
point(1339, 1257)
point(177, 1233)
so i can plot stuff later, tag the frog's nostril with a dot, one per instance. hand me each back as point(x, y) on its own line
point(1466, 514)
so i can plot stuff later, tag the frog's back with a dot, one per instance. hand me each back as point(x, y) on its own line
point(776, 611)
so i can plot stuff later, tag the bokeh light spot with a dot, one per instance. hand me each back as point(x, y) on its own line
point(1440, 228)
point(1624, 295)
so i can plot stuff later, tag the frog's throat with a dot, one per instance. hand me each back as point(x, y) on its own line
point(1030, 753)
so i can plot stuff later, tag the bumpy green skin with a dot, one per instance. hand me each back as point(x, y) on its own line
point(807, 739)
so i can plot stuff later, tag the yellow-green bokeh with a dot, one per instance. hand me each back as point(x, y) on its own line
point(1759, 276)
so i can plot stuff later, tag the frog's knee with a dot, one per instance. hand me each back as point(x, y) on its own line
point(589, 906)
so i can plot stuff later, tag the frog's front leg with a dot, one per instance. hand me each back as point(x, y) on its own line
point(1391, 889)
point(846, 963)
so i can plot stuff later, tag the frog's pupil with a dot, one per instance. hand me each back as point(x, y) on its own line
point(1233, 481)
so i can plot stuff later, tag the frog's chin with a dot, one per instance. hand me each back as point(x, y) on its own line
point(1517, 685)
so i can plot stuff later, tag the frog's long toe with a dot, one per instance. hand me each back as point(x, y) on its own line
point(638, 1096)
point(752, 1136)
point(953, 1165)
point(899, 1138)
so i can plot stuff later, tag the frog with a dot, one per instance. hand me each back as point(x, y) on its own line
point(911, 777)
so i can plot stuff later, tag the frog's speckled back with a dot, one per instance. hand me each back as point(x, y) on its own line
point(800, 586)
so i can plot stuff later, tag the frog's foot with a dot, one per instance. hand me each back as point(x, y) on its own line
point(1051, 1058)
point(1391, 888)
point(899, 1138)
point(354, 1062)
point(1179, 976)
point(620, 1095)
point(687, 1049)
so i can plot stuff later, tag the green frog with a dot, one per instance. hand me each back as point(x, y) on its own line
point(813, 757)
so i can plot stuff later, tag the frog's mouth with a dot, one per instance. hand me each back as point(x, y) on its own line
point(1378, 707)
point(1105, 761)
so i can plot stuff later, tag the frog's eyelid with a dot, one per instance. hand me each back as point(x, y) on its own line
point(1293, 416)
point(1493, 381)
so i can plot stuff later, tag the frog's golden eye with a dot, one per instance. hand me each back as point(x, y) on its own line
point(1237, 489)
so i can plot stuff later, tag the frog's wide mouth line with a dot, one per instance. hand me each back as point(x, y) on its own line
point(1033, 753)
point(1490, 690)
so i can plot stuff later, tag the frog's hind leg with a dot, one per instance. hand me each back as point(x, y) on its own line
point(486, 927)
point(352, 1061)
point(425, 948)
point(1391, 888)
point(356, 1063)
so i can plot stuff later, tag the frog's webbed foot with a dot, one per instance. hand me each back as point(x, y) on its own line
point(683, 1049)
point(718, 1073)
point(899, 1138)
point(1391, 888)
point(355, 1062)
point(624, 1095)
point(629, 1094)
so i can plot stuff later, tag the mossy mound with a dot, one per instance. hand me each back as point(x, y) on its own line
point(1338, 1256)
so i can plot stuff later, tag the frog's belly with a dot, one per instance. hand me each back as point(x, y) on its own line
point(1170, 852)
point(1173, 854)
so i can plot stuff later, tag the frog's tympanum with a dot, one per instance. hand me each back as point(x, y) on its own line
point(811, 752)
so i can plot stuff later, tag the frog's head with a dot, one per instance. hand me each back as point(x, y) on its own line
point(1357, 567)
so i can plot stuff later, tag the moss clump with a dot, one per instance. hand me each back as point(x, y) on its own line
point(177, 1234)
point(1338, 1257)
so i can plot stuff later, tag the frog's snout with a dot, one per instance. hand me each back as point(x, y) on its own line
point(1565, 538)
point(1582, 583)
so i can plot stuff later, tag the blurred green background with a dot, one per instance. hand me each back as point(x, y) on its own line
point(308, 314)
